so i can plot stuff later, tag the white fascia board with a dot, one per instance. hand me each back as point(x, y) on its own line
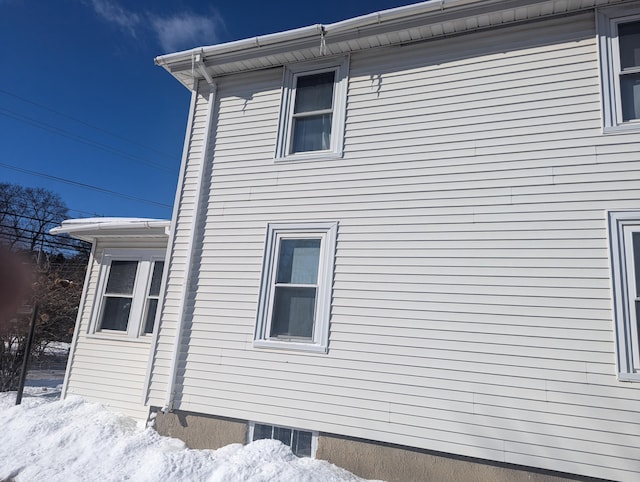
point(92, 228)
point(182, 64)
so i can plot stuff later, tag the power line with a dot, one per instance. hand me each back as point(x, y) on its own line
point(18, 233)
point(84, 140)
point(79, 121)
point(24, 205)
point(47, 243)
point(83, 185)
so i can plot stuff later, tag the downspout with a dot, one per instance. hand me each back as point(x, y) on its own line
point(170, 243)
point(173, 370)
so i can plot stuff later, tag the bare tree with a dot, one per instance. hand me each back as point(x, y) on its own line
point(27, 214)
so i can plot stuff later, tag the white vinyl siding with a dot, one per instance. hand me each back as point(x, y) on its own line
point(109, 370)
point(471, 308)
point(182, 225)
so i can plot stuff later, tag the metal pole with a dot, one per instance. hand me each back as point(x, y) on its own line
point(27, 354)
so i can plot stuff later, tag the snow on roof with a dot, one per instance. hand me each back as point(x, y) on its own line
point(88, 229)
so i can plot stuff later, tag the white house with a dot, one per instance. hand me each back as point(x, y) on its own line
point(109, 355)
point(406, 243)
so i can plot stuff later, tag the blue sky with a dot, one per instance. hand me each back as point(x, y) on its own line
point(82, 102)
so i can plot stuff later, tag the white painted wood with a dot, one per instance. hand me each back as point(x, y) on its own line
point(109, 370)
point(471, 305)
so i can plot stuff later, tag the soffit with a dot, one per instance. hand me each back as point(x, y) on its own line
point(415, 23)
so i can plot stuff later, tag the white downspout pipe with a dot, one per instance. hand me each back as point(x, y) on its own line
point(170, 244)
point(173, 369)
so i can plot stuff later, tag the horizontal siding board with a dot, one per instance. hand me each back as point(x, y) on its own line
point(471, 306)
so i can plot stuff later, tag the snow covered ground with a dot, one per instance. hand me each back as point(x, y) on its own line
point(46, 439)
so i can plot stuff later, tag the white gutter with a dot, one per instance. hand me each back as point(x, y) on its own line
point(98, 226)
point(239, 45)
point(352, 24)
point(189, 262)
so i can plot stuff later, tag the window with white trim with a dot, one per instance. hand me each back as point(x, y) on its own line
point(302, 443)
point(624, 238)
point(128, 292)
point(295, 294)
point(619, 43)
point(312, 112)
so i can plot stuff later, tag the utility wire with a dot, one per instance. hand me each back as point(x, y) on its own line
point(47, 243)
point(84, 140)
point(18, 232)
point(25, 205)
point(83, 185)
point(100, 129)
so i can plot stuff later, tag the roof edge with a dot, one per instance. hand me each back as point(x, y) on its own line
point(90, 229)
point(180, 60)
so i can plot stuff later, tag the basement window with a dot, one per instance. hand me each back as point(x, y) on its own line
point(302, 443)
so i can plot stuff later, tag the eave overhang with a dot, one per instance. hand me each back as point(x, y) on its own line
point(398, 26)
point(91, 229)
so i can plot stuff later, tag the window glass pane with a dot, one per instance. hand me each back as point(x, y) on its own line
point(298, 261)
point(629, 41)
point(282, 434)
point(293, 312)
point(261, 431)
point(636, 260)
point(314, 92)
point(152, 307)
point(115, 315)
point(301, 445)
point(122, 276)
point(630, 93)
point(311, 133)
point(156, 278)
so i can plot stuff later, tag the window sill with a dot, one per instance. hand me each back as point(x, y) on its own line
point(626, 128)
point(119, 337)
point(310, 156)
point(290, 345)
point(629, 377)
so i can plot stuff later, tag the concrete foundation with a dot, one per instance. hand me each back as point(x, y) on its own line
point(200, 431)
point(370, 460)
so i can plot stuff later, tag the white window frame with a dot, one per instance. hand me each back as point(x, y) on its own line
point(608, 20)
point(314, 435)
point(135, 326)
point(291, 73)
point(327, 233)
point(622, 225)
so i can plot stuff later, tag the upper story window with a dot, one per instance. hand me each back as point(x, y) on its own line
point(129, 291)
point(312, 112)
point(619, 41)
point(624, 238)
point(295, 294)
